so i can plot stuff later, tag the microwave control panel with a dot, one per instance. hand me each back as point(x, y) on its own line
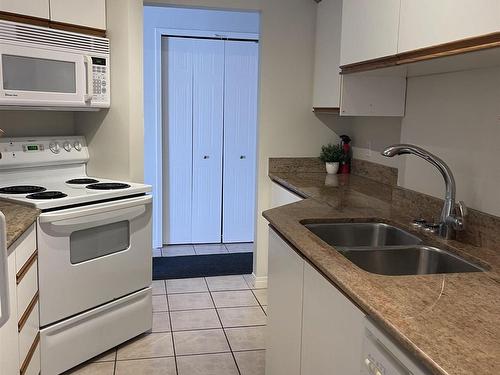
point(100, 75)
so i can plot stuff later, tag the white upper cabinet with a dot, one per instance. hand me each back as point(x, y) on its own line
point(426, 23)
point(327, 54)
point(32, 8)
point(88, 13)
point(369, 29)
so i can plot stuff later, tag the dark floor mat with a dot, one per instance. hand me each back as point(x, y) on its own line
point(202, 265)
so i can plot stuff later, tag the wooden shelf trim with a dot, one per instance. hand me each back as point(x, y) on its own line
point(27, 313)
point(457, 47)
point(13, 17)
point(29, 356)
point(26, 267)
point(327, 110)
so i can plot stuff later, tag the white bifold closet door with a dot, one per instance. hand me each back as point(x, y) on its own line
point(209, 140)
point(194, 136)
point(177, 89)
point(240, 132)
point(208, 120)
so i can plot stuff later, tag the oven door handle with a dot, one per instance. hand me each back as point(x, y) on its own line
point(78, 212)
point(4, 271)
point(90, 221)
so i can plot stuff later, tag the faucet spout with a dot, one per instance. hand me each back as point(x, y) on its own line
point(448, 220)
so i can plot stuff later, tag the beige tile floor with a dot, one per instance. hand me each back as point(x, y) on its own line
point(201, 326)
point(203, 249)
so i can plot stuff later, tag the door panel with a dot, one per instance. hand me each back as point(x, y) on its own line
point(240, 128)
point(114, 274)
point(177, 141)
point(284, 316)
point(208, 91)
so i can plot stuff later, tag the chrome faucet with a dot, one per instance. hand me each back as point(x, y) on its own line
point(450, 221)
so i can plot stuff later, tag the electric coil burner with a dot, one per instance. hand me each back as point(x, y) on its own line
point(47, 195)
point(108, 186)
point(21, 189)
point(82, 181)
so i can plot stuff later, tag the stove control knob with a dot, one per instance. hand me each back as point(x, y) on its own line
point(77, 145)
point(54, 147)
point(67, 146)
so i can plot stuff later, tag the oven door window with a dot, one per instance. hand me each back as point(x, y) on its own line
point(26, 73)
point(96, 242)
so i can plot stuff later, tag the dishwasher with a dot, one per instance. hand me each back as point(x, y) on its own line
point(381, 356)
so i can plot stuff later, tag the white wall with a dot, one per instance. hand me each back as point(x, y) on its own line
point(36, 123)
point(200, 19)
point(115, 136)
point(454, 115)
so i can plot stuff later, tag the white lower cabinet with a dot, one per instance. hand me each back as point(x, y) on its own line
point(9, 351)
point(19, 338)
point(312, 327)
point(281, 196)
point(332, 329)
point(284, 327)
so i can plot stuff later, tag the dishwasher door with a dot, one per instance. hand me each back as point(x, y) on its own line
point(381, 356)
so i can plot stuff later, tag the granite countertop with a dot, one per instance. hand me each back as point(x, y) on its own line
point(18, 217)
point(449, 322)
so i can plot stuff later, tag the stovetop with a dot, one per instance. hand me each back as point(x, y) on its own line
point(51, 173)
point(56, 193)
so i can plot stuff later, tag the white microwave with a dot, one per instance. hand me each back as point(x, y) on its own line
point(47, 68)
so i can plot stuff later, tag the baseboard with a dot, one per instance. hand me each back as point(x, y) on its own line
point(257, 282)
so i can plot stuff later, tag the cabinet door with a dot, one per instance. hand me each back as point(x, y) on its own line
point(284, 326)
point(208, 102)
point(33, 8)
point(369, 29)
point(240, 132)
point(327, 54)
point(9, 349)
point(332, 329)
point(426, 23)
point(177, 68)
point(89, 13)
point(281, 196)
point(373, 95)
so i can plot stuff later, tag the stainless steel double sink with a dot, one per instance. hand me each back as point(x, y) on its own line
point(387, 250)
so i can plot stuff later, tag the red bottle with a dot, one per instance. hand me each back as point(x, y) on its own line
point(345, 165)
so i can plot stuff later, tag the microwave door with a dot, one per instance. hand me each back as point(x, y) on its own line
point(32, 76)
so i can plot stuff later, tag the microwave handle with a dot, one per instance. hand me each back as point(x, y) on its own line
point(90, 78)
point(4, 271)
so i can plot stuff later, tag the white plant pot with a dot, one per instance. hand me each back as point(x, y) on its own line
point(332, 180)
point(332, 168)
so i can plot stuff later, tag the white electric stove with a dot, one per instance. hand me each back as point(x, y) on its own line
point(94, 248)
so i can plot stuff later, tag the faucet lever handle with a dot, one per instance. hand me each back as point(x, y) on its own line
point(462, 213)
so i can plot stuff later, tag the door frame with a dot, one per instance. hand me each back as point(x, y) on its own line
point(153, 134)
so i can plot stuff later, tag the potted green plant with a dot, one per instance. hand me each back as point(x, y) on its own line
point(331, 155)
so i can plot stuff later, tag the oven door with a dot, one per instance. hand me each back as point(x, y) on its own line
point(92, 255)
point(31, 76)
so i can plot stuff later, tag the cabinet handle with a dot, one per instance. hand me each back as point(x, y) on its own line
point(206, 157)
point(243, 157)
